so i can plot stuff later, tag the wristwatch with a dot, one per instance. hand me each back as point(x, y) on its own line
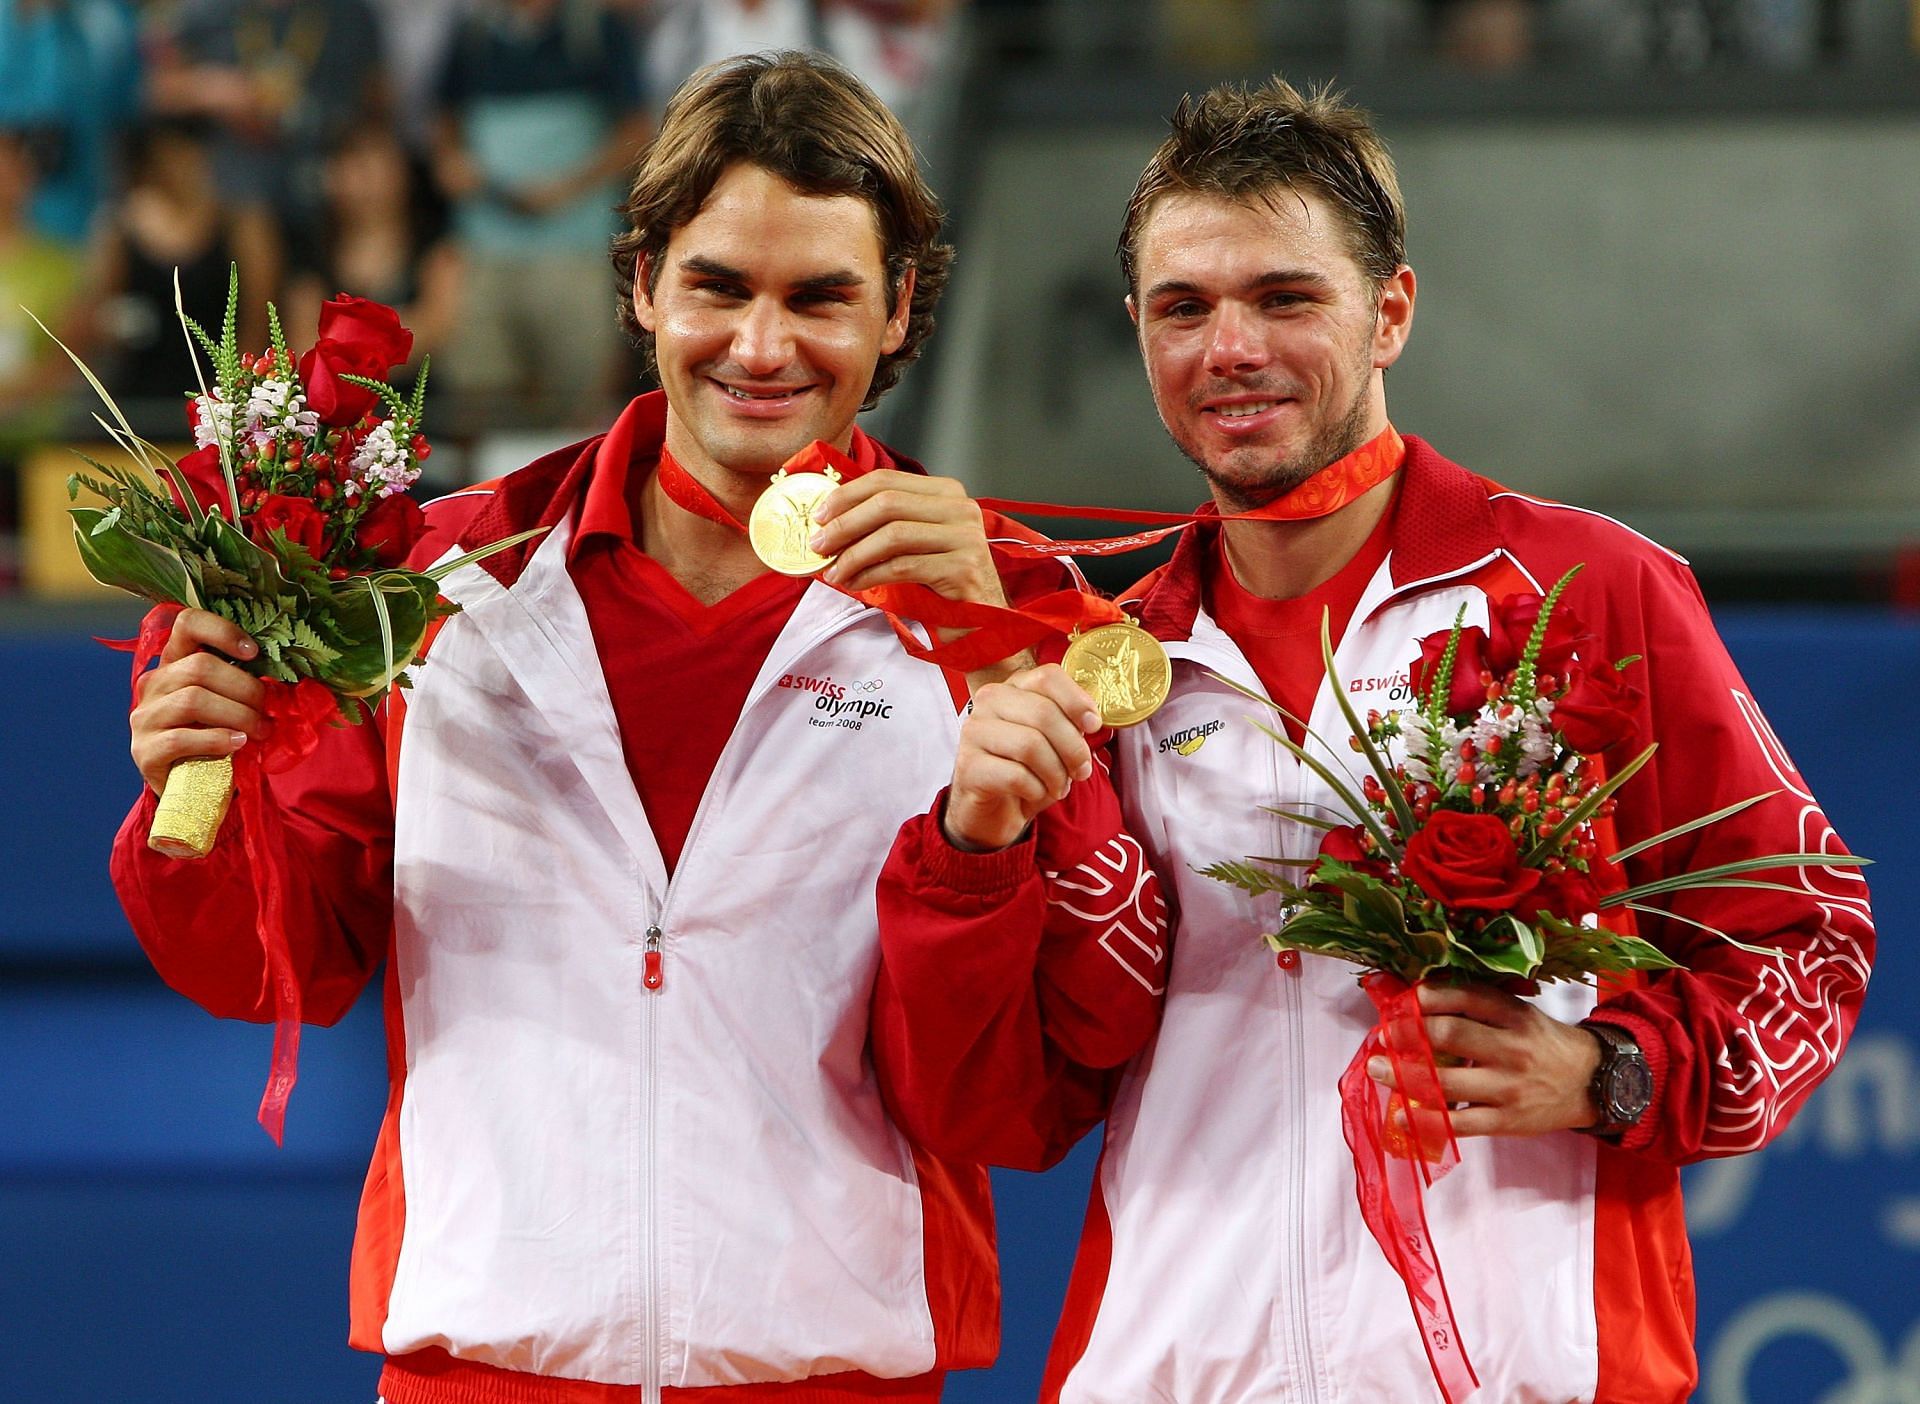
point(1622, 1084)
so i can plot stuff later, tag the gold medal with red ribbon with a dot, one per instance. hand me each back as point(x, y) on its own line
point(1119, 664)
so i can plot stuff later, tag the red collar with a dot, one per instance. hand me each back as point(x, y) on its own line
point(542, 493)
point(637, 440)
point(1442, 523)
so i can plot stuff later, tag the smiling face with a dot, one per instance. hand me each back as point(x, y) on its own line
point(1264, 339)
point(769, 311)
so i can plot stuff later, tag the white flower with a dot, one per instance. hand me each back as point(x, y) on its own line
point(212, 420)
point(1424, 740)
point(381, 463)
point(277, 407)
point(1536, 739)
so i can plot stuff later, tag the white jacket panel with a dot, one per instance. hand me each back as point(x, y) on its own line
point(1241, 1267)
point(558, 1112)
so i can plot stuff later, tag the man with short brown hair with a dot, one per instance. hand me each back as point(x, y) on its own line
point(1224, 1257)
point(621, 855)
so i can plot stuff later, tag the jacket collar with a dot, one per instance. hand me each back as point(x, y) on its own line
point(593, 473)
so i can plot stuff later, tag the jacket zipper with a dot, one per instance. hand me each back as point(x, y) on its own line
point(1294, 1251)
point(653, 977)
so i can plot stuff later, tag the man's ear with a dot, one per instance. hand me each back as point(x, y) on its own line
point(1393, 322)
point(642, 296)
point(896, 336)
point(1133, 310)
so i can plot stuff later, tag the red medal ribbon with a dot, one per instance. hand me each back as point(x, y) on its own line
point(690, 494)
point(1401, 1142)
point(998, 631)
point(1341, 482)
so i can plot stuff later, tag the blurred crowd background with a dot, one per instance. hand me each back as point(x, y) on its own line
point(459, 159)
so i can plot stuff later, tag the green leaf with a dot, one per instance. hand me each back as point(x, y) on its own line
point(1434, 704)
point(1361, 811)
point(1500, 959)
point(1677, 830)
point(1631, 953)
point(1311, 821)
point(1714, 876)
point(1247, 877)
point(1770, 952)
point(382, 621)
point(118, 558)
point(445, 568)
point(1524, 675)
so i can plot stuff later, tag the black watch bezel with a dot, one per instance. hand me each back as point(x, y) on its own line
point(1622, 1084)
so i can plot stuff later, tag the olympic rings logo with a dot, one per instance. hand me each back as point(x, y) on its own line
point(1872, 1377)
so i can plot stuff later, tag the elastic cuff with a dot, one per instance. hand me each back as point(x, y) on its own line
point(994, 874)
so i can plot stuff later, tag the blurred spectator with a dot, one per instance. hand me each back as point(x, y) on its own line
point(173, 218)
point(1484, 36)
point(894, 45)
point(69, 76)
point(39, 273)
point(384, 236)
point(416, 35)
point(44, 276)
point(540, 115)
point(281, 79)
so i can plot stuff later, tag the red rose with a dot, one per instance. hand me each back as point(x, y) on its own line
point(1468, 860)
point(391, 529)
point(357, 337)
point(1597, 711)
point(1468, 692)
point(1567, 894)
point(295, 516)
point(205, 480)
point(1344, 846)
point(1510, 623)
point(1572, 895)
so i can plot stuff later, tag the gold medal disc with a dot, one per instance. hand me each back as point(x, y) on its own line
point(782, 521)
point(1123, 668)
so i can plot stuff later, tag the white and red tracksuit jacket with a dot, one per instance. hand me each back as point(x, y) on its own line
point(608, 1190)
point(1224, 1258)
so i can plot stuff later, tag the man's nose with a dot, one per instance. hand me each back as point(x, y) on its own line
point(763, 340)
point(1235, 344)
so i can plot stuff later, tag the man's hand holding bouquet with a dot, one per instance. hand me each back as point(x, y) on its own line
point(1474, 849)
point(289, 522)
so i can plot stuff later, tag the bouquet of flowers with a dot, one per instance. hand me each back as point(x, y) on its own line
point(290, 519)
point(1473, 848)
point(1476, 847)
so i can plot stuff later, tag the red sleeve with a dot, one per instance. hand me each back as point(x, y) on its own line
point(1736, 1040)
point(195, 918)
point(1013, 985)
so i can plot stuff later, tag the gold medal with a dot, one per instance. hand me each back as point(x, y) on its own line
point(782, 521)
point(1123, 668)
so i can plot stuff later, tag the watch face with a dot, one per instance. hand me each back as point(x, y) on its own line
point(1629, 1089)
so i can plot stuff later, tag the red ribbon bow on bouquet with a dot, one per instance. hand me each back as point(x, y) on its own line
point(297, 713)
point(1402, 1141)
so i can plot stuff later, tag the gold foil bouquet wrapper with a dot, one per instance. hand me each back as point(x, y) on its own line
point(193, 805)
